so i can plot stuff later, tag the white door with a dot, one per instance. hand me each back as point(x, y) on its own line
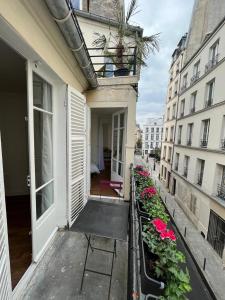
point(41, 94)
point(5, 276)
point(118, 142)
point(77, 153)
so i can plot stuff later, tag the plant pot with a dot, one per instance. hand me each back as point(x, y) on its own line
point(140, 209)
point(121, 72)
point(149, 284)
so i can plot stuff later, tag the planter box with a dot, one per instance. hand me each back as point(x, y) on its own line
point(140, 209)
point(149, 285)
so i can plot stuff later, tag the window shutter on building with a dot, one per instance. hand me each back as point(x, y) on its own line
point(5, 277)
point(76, 153)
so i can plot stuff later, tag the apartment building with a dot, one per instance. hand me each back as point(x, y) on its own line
point(199, 149)
point(152, 135)
point(171, 112)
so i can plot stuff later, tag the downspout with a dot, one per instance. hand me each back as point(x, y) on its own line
point(63, 14)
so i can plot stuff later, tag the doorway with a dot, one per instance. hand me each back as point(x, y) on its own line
point(14, 138)
point(107, 149)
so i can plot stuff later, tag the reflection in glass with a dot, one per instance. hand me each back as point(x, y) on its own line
point(44, 199)
point(43, 147)
point(42, 93)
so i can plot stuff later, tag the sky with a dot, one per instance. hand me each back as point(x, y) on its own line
point(171, 19)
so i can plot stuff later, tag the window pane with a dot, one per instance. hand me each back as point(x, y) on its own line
point(120, 169)
point(121, 145)
point(43, 147)
point(121, 120)
point(44, 199)
point(115, 134)
point(42, 93)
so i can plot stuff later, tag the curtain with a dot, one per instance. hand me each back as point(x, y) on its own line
point(101, 164)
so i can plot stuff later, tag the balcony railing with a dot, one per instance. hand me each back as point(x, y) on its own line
point(185, 172)
point(223, 144)
point(195, 77)
point(208, 103)
point(126, 63)
point(199, 178)
point(192, 110)
point(204, 143)
point(212, 63)
point(189, 142)
point(221, 191)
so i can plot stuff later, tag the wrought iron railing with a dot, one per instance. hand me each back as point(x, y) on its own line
point(195, 77)
point(108, 64)
point(221, 191)
point(204, 143)
point(212, 63)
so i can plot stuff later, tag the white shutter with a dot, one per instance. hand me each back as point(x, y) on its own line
point(5, 277)
point(76, 153)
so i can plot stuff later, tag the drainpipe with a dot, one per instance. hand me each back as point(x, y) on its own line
point(63, 14)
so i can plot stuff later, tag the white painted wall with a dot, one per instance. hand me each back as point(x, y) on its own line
point(13, 109)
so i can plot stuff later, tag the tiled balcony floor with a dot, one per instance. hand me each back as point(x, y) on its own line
point(59, 274)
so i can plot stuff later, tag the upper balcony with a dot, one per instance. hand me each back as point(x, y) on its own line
point(115, 64)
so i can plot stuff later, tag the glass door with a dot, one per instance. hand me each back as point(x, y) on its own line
point(118, 138)
point(40, 119)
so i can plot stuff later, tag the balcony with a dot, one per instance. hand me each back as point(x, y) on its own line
point(185, 172)
point(221, 191)
point(123, 65)
point(222, 144)
point(199, 178)
point(208, 103)
point(195, 77)
point(212, 63)
point(192, 110)
point(189, 142)
point(204, 143)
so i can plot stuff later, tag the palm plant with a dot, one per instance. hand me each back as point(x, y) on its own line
point(126, 38)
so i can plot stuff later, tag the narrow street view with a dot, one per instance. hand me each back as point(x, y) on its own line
point(112, 150)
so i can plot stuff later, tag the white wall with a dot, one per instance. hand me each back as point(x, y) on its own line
point(13, 109)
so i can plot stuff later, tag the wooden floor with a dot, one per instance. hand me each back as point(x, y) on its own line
point(95, 183)
point(19, 230)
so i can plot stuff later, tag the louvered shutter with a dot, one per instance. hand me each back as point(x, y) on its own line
point(5, 277)
point(76, 153)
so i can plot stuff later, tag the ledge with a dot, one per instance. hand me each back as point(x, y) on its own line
point(200, 149)
point(120, 80)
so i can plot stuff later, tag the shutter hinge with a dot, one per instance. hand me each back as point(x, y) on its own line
point(28, 180)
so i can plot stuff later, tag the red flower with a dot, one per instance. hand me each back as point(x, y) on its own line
point(144, 173)
point(159, 225)
point(168, 234)
point(149, 192)
point(139, 167)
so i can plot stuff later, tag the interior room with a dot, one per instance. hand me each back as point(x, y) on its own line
point(101, 151)
point(14, 138)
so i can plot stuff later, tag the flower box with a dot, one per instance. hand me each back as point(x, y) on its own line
point(149, 284)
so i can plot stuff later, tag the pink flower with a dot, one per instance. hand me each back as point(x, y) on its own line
point(149, 192)
point(168, 234)
point(144, 173)
point(139, 167)
point(160, 226)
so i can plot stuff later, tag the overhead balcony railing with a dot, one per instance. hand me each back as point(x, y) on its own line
point(113, 64)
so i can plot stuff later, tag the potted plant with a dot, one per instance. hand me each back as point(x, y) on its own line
point(161, 270)
point(125, 41)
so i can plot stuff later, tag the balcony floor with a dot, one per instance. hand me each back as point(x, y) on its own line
point(58, 276)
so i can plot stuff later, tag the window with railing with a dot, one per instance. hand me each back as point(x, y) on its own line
point(168, 113)
point(213, 56)
point(166, 134)
point(189, 133)
point(179, 134)
point(177, 157)
point(184, 82)
point(174, 111)
point(200, 171)
point(205, 133)
point(186, 163)
point(182, 107)
point(169, 155)
point(176, 88)
point(196, 72)
point(193, 102)
point(171, 133)
point(210, 86)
